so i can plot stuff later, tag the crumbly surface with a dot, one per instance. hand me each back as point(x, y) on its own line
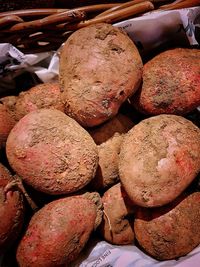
point(107, 173)
point(171, 82)
point(96, 199)
point(118, 218)
point(11, 211)
point(9, 102)
point(100, 67)
point(159, 158)
point(7, 122)
point(120, 124)
point(45, 95)
point(57, 233)
point(52, 152)
point(171, 231)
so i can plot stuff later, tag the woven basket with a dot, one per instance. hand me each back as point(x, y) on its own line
point(45, 29)
point(6, 5)
point(76, 3)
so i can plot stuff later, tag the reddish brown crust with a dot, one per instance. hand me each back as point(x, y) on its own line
point(100, 67)
point(57, 233)
point(171, 231)
point(107, 172)
point(52, 152)
point(11, 211)
point(46, 95)
point(171, 82)
point(159, 158)
point(6, 124)
point(119, 124)
point(118, 218)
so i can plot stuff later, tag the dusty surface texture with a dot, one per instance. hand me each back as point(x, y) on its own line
point(11, 211)
point(96, 199)
point(107, 173)
point(100, 67)
point(52, 152)
point(9, 102)
point(46, 95)
point(159, 158)
point(118, 219)
point(7, 122)
point(57, 233)
point(171, 83)
point(171, 231)
point(119, 124)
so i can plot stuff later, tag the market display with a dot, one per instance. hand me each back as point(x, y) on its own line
point(102, 148)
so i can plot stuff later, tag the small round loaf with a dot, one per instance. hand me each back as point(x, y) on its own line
point(159, 158)
point(171, 83)
point(170, 231)
point(52, 152)
point(100, 67)
point(118, 219)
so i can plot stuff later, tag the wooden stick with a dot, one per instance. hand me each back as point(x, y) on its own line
point(121, 6)
point(9, 20)
point(160, 1)
point(181, 4)
point(96, 8)
point(127, 4)
point(115, 15)
point(33, 12)
point(50, 11)
point(66, 16)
